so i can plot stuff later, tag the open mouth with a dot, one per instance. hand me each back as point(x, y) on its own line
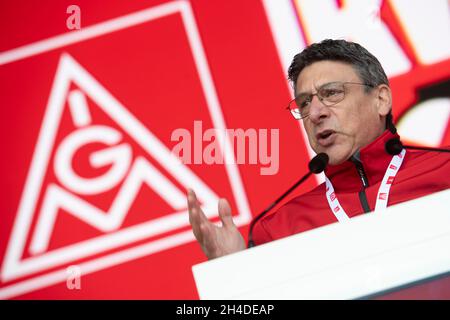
point(326, 137)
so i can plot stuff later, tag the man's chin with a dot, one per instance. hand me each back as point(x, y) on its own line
point(336, 161)
point(336, 155)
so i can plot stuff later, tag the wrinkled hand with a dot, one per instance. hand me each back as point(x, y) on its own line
point(215, 241)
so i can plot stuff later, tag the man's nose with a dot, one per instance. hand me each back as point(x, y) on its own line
point(318, 110)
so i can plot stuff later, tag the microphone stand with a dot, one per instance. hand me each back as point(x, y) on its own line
point(394, 146)
point(426, 148)
point(316, 165)
point(259, 216)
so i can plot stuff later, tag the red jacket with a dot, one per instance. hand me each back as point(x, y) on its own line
point(421, 173)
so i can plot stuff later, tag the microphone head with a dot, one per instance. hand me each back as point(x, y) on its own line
point(393, 146)
point(318, 163)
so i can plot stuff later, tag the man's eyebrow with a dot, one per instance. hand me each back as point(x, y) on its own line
point(309, 92)
point(302, 94)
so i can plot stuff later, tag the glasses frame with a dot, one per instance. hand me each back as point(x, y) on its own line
point(293, 111)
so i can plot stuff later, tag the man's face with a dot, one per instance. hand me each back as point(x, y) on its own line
point(341, 129)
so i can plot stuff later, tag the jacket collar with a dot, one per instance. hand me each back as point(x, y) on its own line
point(374, 160)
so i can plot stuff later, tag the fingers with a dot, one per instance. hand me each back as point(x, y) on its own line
point(196, 215)
point(225, 213)
point(193, 205)
point(215, 241)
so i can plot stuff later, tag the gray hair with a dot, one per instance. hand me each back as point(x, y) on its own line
point(365, 64)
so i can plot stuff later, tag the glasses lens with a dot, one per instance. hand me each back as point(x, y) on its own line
point(296, 113)
point(332, 92)
point(293, 109)
point(302, 103)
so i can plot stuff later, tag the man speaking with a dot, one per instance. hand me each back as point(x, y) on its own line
point(343, 97)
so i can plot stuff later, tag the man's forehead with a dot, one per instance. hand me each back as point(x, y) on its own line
point(322, 72)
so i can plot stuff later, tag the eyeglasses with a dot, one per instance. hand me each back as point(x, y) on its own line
point(329, 94)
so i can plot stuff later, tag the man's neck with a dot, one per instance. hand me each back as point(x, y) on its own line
point(372, 158)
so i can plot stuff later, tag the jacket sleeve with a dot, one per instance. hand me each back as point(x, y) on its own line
point(260, 233)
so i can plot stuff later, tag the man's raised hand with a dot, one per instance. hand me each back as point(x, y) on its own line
point(215, 241)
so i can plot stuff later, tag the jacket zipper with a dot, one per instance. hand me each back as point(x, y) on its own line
point(365, 184)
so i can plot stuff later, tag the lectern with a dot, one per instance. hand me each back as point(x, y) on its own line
point(402, 252)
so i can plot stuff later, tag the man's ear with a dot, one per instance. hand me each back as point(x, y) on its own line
point(384, 97)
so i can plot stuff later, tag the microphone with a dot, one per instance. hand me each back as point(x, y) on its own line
point(316, 165)
point(394, 146)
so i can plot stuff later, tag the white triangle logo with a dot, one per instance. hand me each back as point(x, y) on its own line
point(133, 171)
